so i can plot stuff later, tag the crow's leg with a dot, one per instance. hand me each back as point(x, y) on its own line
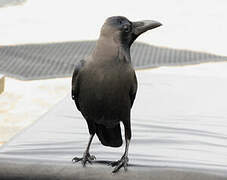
point(123, 162)
point(86, 157)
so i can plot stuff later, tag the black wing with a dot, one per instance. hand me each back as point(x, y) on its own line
point(75, 83)
point(133, 90)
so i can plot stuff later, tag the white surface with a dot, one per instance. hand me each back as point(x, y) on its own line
point(218, 70)
point(178, 121)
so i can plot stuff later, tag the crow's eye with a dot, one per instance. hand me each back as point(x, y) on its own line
point(126, 28)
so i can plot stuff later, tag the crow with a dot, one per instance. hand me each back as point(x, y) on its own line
point(104, 85)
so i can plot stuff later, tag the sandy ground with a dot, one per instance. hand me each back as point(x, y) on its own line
point(22, 102)
point(197, 25)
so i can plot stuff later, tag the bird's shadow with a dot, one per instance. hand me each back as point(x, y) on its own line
point(107, 162)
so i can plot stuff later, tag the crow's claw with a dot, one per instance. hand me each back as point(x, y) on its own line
point(86, 158)
point(123, 162)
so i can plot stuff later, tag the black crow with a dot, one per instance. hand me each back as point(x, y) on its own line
point(104, 85)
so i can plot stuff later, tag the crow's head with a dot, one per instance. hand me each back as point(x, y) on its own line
point(124, 31)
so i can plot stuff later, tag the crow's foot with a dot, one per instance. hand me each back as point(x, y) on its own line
point(123, 162)
point(86, 158)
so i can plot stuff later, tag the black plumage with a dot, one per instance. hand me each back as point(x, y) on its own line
point(104, 85)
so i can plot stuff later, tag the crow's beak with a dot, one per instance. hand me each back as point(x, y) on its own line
point(143, 26)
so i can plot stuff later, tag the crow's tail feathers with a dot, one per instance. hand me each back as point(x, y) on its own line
point(109, 136)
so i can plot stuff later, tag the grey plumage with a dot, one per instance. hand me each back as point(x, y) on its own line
point(104, 85)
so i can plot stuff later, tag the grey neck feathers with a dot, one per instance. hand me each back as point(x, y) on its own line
point(124, 54)
point(110, 49)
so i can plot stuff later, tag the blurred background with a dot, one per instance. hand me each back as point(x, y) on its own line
point(195, 24)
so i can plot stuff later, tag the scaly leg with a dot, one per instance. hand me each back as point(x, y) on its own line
point(86, 156)
point(123, 162)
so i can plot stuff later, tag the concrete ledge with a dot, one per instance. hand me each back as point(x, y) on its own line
point(2, 83)
point(58, 170)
